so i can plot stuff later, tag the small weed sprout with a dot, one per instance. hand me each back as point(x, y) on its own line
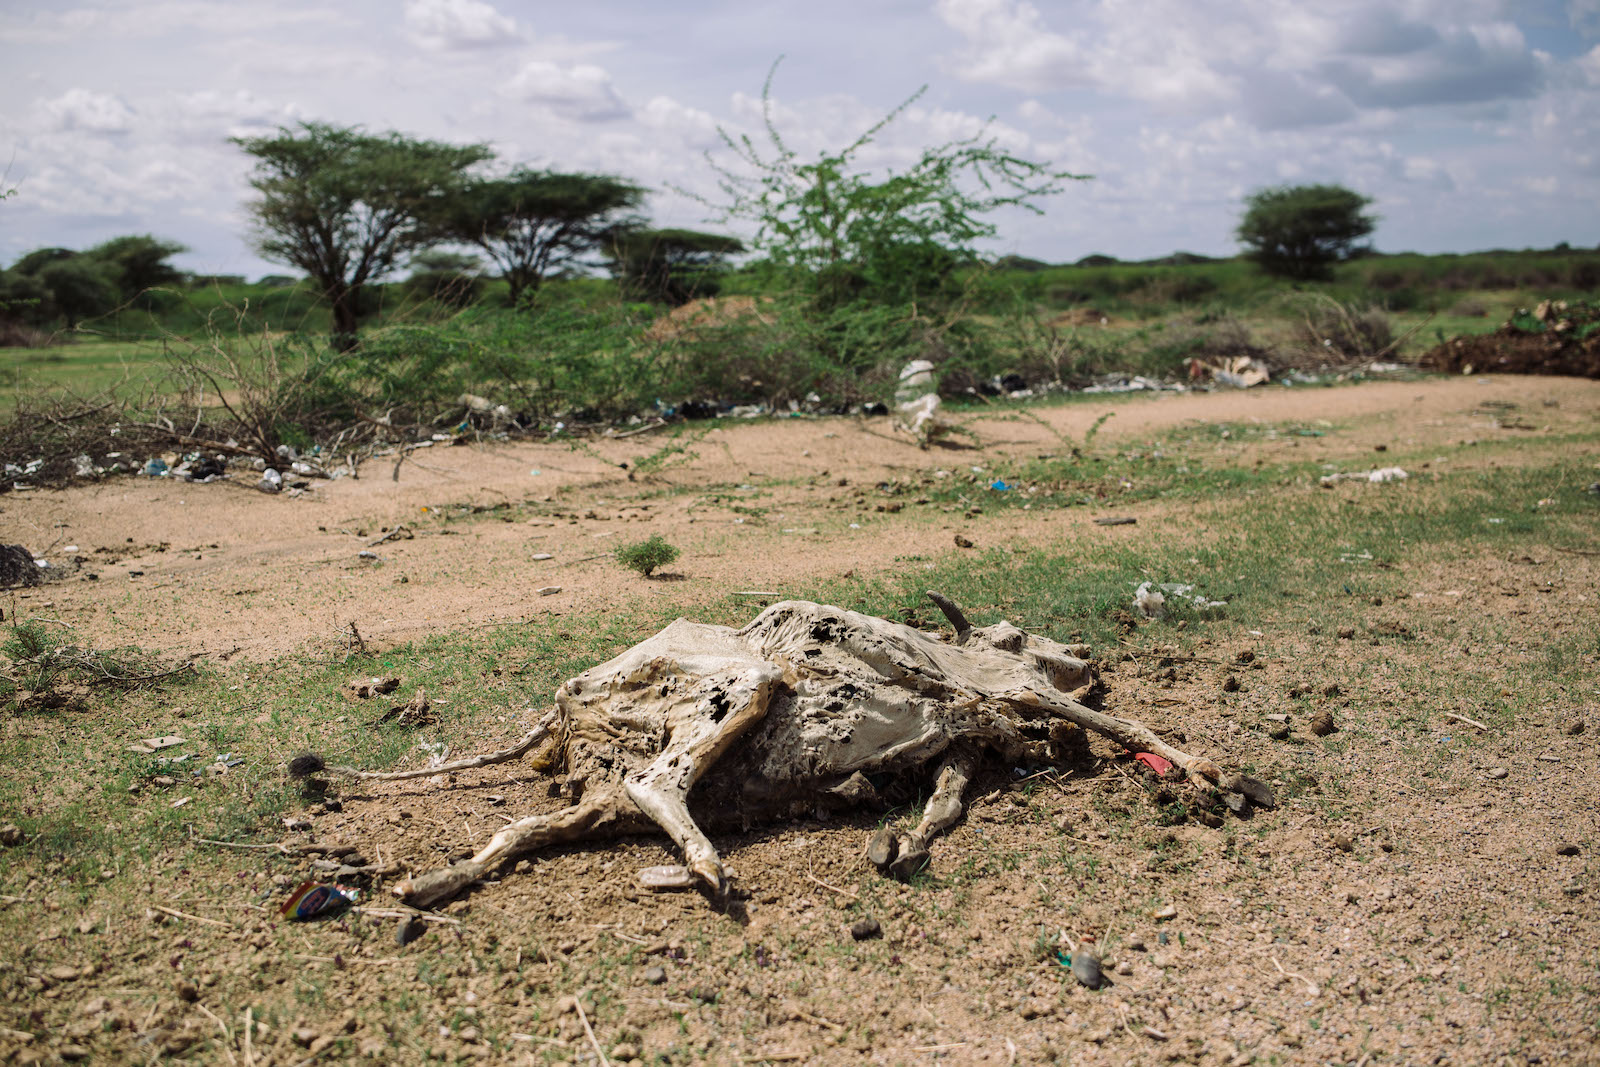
point(647, 555)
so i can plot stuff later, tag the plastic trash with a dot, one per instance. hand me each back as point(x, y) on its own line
point(1150, 599)
point(916, 380)
point(1000, 486)
point(155, 468)
point(311, 901)
point(1150, 602)
point(1156, 763)
point(271, 481)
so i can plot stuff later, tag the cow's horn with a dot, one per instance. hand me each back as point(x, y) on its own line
point(953, 613)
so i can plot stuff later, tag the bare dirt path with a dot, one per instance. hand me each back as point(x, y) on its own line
point(222, 569)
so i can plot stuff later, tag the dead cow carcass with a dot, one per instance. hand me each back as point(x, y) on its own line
point(800, 706)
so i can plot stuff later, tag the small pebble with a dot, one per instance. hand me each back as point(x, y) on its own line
point(1124, 967)
point(1497, 772)
point(411, 928)
point(1086, 967)
point(1575, 727)
point(655, 975)
point(1322, 723)
point(1567, 850)
point(1343, 842)
point(1230, 684)
point(1170, 911)
point(863, 929)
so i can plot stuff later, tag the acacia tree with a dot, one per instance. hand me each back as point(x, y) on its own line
point(1300, 231)
point(532, 222)
point(672, 266)
point(346, 206)
point(138, 262)
point(893, 239)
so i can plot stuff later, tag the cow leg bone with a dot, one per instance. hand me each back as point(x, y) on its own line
point(540, 731)
point(1136, 736)
point(902, 854)
point(697, 736)
point(601, 814)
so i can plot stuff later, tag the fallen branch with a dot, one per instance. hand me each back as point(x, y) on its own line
point(398, 531)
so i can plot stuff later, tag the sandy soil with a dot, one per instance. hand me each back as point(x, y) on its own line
point(229, 571)
point(1423, 895)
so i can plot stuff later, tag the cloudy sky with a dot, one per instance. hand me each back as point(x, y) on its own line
point(1472, 123)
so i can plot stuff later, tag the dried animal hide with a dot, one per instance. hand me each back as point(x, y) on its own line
point(803, 705)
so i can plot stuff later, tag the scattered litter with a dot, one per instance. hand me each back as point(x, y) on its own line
point(155, 468)
point(1122, 383)
point(1001, 487)
point(755, 592)
point(271, 481)
point(1375, 477)
point(181, 801)
point(147, 745)
point(917, 403)
point(1116, 520)
point(1149, 602)
point(1238, 372)
point(1156, 763)
point(310, 901)
point(1150, 599)
point(540, 556)
point(549, 590)
point(368, 554)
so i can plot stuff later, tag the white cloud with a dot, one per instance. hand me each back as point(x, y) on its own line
point(1008, 44)
point(85, 109)
point(443, 25)
point(583, 91)
point(1276, 63)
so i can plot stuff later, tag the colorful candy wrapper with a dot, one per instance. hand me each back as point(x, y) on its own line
point(311, 901)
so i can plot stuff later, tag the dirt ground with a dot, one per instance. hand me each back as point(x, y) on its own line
point(232, 572)
point(1409, 902)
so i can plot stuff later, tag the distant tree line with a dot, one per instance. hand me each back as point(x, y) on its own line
point(61, 285)
point(348, 208)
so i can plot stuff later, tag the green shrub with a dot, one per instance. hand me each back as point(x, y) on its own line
point(647, 555)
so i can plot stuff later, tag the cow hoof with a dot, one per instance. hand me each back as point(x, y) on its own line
point(882, 848)
point(909, 863)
